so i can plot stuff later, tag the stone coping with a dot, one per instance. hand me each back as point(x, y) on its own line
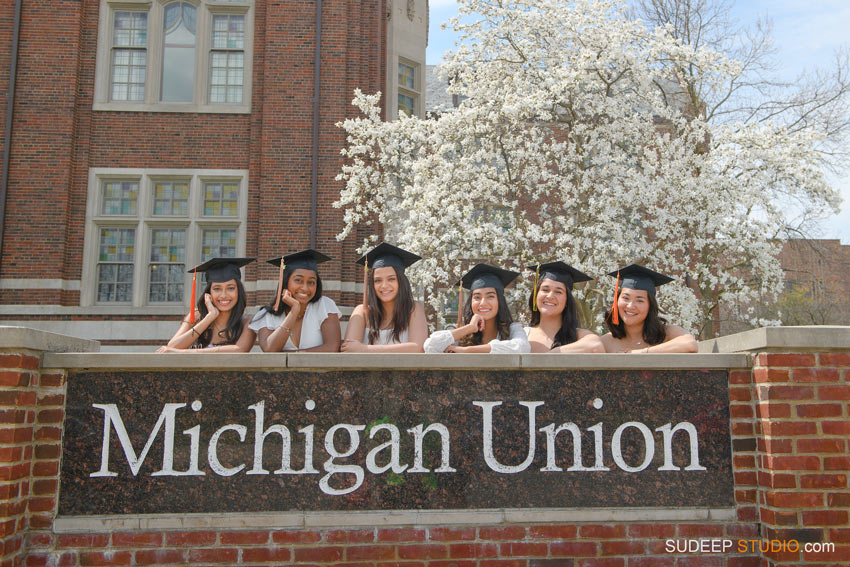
point(275, 361)
point(794, 339)
point(371, 518)
point(33, 339)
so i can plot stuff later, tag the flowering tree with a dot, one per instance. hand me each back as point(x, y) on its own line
point(576, 142)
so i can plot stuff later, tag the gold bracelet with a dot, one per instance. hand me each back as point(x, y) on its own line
point(287, 329)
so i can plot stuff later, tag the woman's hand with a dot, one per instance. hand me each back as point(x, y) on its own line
point(349, 345)
point(457, 348)
point(211, 308)
point(477, 322)
point(293, 303)
point(167, 348)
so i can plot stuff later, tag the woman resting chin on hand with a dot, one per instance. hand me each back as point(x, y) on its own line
point(487, 322)
point(218, 324)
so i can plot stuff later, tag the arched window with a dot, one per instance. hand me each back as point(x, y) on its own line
point(178, 52)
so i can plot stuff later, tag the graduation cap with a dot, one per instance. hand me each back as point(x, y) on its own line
point(304, 260)
point(636, 276)
point(484, 275)
point(217, 270)
point(308, 259)
point(386, 255)
point(559, 272)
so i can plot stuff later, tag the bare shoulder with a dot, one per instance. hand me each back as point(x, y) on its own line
point(359, 311)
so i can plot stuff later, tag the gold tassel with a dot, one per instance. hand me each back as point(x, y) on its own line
point(536, 281)
point(279, 284)
point(365, 281)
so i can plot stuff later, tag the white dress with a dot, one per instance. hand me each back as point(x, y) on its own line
point(385, 337)
point(311, 326)
point(516, 344)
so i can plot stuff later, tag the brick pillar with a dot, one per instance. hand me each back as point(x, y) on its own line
point(31, 413)
point(802, 427)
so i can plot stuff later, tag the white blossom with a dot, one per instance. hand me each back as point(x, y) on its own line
point(574, 142)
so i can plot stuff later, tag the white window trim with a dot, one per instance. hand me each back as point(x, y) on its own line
point(153, 73)
point(144, 220)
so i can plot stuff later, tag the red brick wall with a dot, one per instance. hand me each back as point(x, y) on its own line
point(31, 414)
point(58, 138)
point(803, 425)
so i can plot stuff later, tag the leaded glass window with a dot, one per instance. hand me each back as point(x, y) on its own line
point(218, 243)
point(129, 56)
point(227, 58)
point(167, 265)
point(115, 265)
point(221, 199)
point(120, 197)
point(171, 198)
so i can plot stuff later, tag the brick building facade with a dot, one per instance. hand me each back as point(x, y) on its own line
point(148, 135)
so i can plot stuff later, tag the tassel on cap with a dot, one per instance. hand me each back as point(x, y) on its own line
point(536, 283)
point(459, 303)
point(614, 311)
point(192, 300)
point(365, 282)
point(279, 285)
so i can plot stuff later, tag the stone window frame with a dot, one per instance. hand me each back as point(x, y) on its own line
point(144, 222)
point(416, 92)
point(154, 49)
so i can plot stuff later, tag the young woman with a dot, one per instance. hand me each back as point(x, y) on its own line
point(299, 318)
point(554, 317)
point(217, 325)
point(634, 321)
point(487, 323)
point(388, 320)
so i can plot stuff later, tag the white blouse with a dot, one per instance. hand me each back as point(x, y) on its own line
point(516, 344)
point(385, 337)
point(311, 326)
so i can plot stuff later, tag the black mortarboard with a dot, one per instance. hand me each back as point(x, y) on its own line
point(220, 270)
point(484, 275)
point(638, 277)
point(560, 272)
point(386, 255)
point(305, 260)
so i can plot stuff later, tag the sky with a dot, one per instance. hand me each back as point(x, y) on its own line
point(806, 35)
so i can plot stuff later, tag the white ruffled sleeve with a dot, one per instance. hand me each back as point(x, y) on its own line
point(326, 307)
point(439, 342)
point(260, 321)
point(517, 344)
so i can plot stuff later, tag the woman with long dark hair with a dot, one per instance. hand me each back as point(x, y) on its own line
point(389, 320)
point(299, 318)
point(487, 325)
point(634, 320)
point(216, 322)
point(554, 316)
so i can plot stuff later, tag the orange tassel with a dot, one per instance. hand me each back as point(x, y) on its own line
point(279, 285)
point(192, 301)
point(614, 311)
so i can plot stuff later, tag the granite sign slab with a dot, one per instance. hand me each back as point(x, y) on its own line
point(182, 442)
